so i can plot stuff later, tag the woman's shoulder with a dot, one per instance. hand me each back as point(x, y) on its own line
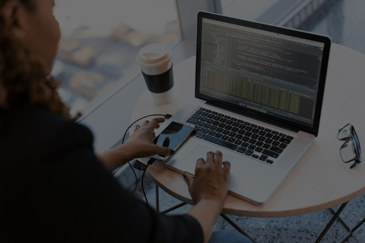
point(33, 118)
point(33, 141)
point(30, 115)
point(38, 128)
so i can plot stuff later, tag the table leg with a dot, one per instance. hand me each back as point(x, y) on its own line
point(167, 210)
point(236, 227)
point(331, 222)
point(173, 208)
point(157, 200)
point(340, 219)
point(353, 230)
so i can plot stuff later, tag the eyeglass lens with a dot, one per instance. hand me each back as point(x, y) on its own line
point(345, 132)
point(348, 151)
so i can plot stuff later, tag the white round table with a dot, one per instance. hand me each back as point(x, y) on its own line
point(320, 180)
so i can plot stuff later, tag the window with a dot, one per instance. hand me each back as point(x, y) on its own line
point(100, 42)
point(343, 21)
point(246, 9)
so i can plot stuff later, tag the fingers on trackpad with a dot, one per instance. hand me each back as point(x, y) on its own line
point(189, 162)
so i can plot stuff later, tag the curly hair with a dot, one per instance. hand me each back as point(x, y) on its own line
point(23, 76)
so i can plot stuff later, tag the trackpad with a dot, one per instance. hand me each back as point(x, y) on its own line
point(189, 162)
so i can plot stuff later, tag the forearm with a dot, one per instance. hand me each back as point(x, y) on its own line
point(206, 213)
point(114, 158)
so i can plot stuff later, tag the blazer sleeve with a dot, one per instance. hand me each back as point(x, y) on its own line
point(74, 198)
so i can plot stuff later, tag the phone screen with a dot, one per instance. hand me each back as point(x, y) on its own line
point(173, 135)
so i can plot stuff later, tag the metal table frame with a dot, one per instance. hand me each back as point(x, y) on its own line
point(336, 216)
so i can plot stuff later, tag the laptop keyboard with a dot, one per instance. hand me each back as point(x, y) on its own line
point(243, 137)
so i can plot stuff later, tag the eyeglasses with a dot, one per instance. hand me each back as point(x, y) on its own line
point(351, 149)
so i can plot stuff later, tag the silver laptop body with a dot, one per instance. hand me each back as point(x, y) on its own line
point(263, 80)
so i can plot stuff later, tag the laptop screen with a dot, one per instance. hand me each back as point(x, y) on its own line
point(271, 73)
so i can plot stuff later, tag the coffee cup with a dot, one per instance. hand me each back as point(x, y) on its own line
point(156, 64)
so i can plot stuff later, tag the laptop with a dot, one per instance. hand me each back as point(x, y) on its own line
point(258, 97)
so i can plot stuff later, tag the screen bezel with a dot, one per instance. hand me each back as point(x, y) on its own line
point(285, 31)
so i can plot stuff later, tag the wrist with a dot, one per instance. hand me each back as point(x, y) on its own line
point(213, 203)
point(122, 154)
point(114, 158)
point(125, 152)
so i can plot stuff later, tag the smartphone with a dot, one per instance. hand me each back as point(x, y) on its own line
point(172, 137)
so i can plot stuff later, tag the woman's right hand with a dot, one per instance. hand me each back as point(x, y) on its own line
point(211, 180)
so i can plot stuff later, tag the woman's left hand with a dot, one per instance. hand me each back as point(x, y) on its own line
point(141, 142)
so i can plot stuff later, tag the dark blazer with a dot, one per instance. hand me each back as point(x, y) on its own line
point(53, 188)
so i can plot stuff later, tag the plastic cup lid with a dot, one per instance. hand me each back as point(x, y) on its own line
point(154, 55)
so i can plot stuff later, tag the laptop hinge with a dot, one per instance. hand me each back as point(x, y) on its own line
point(253, 116)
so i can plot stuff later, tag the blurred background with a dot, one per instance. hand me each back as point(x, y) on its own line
point(101, 39)
point(100, 42)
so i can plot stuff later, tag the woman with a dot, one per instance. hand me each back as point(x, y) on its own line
point(53, 187)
